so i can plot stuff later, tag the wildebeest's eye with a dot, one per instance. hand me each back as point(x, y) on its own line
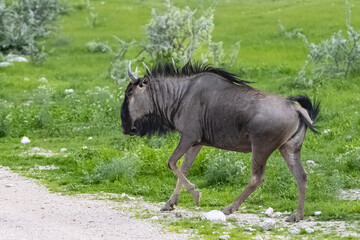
point(145, 81)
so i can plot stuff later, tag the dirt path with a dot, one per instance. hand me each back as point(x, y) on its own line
point(30, 211)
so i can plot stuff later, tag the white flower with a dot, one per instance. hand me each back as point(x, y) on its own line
point(43, 80)
point(69, 90)
point(63, 150)
point(84, 147)
point(326, 131)
point(90, 138)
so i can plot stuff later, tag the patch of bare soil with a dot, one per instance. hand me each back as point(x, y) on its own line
point(29, 211)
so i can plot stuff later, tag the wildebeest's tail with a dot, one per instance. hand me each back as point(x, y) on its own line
point(312, 109)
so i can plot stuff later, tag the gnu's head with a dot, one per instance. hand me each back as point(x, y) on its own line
point(137, 102)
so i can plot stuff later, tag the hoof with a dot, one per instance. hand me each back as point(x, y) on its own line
point(294, 218)
point(228, 210)
point(197, 196)
point(169, 206)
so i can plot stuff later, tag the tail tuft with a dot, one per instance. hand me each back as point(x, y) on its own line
point(313, 109)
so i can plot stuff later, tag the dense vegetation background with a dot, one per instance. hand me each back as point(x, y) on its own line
point(35, 101)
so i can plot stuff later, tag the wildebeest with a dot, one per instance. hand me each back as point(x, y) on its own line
point(211, 107)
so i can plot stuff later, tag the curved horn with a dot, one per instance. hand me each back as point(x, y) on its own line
point(131, 76)
point(148, 72)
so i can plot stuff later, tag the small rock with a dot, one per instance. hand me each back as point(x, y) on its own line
point(69, 90)
point(214, 215)
point(269, 211)
point(43, 80)
point(276, 214)
point(225, 237)
point(17, 59)
point(317, 213)
point(9, 185)
point(63, 150)
point(178, 215)
point(249, 229)
point(309, 230)
point(154, 218)
point(4, 64)
point(90, 138)
point(286, 213)
point(25, 140)
point(310, 163)
point(268, 224)
point(294, 230)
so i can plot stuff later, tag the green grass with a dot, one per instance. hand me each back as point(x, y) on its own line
point(57, 120)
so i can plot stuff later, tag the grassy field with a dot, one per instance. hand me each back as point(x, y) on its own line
point(112, 162)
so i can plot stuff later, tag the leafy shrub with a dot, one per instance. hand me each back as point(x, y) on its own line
point(333, 57)
point(24, 22)
point(119, 65)
point(113, 170)
point(97, 46)
point(222, 169)
point(175, 35)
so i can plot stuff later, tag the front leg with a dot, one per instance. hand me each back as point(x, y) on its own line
point(184, 145)
point(188, 161)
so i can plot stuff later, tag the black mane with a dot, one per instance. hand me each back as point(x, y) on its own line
point(168, 69)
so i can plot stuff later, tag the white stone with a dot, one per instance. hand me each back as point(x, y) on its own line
point(317, 213)
point(214, 215)
point(4, 64)
point(225, 237)
point(294, 230)
point(17, 59)
point(155, 218)
point(269, 211)
point(310, 163)
point(69, 90)
point(50, 167)
point(309, 230)
point(276, 214)
point(268, 224)
point(90, 138)
point(63, 150)
point(25, 140)
point(249, 229)
point(43, 80)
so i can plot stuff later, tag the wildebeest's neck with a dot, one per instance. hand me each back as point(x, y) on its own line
point(166, 95)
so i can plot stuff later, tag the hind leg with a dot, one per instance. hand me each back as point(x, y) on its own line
point(185, 166)
point(291, 153)
point(258, 169)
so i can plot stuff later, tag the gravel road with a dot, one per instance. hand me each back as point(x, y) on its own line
point(29, 211)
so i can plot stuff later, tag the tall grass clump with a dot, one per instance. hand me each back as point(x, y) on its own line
point(113, 170)
point(337, 56)
point(222, 169)
point(24, 22)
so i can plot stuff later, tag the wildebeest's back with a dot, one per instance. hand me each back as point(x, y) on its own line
point(223, 114)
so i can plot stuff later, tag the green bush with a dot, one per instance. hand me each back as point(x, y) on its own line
point(113, 170)
point(223, 168)
point(25, 21)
